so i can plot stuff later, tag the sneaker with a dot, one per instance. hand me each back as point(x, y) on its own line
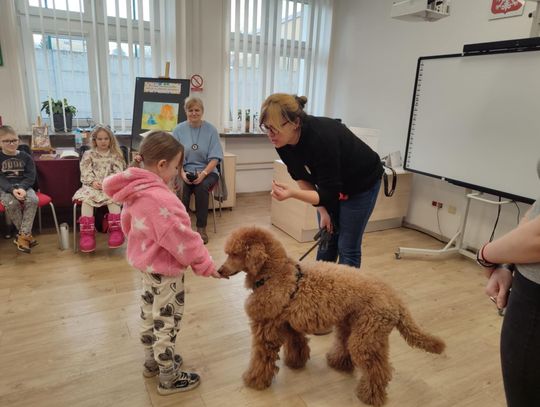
point(31, 241)
point(204, 236)
point(22, 243)
point(185, 381)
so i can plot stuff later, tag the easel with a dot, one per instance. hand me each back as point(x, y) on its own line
point(167, 68)
point(455, 245)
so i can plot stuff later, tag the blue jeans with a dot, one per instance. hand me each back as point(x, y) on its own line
point(520, 336)
point(351, 220)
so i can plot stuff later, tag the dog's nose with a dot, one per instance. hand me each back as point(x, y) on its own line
point(221, 270)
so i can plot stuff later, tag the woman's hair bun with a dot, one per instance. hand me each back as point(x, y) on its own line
point(302, 100)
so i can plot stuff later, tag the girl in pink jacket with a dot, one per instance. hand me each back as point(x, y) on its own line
point(161, 244)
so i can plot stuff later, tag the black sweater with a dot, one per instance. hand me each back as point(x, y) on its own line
point(329, 156)
point(16, 171)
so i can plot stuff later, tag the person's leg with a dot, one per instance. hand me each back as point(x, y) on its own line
point(353, 218)
point(150, 366)
point(187, 190)
point(13, 208)
point(30, 208)
point(202, 192)
point(520, 336)
point(116, 236)
point(87, 222)
point(87, 210)
point(167, 307)
point(114, 208)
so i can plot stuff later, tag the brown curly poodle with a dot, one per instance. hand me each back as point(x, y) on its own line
point(291, 299)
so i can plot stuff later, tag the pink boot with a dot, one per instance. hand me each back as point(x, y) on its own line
point(116, 236)
point(87, 241)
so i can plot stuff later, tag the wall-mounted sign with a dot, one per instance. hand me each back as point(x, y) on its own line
point(506, 8)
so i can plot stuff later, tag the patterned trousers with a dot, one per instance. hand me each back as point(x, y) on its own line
point(162, 308)
point(22, 214)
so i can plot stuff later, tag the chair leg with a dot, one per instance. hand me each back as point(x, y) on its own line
point(39, 220)
point(74, 228)
point(55, 225)
point(213, 210)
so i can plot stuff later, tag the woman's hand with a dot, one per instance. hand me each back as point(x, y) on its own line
point(184, 177)
point(326, 221)
point(96, 185)
point(200, 178)
point(499, 285)
point(280, 191)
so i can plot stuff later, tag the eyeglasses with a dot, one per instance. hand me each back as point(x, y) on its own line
point(12, 141)
point(267, 128)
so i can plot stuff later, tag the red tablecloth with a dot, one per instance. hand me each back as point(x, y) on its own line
point(59, 179)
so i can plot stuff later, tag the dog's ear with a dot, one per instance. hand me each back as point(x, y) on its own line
point(255, 258)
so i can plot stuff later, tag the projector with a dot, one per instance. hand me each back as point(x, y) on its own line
point(415, 10)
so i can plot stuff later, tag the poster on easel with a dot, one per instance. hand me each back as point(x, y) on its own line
point(158, 105)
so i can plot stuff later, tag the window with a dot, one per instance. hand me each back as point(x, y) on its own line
point(90, 53)
point(276, 46)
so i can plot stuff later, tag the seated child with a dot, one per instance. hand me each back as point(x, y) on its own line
point(17, 175)
point(103, 159)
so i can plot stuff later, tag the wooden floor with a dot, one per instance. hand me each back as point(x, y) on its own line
point(69, 330)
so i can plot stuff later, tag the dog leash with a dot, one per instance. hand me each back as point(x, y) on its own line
point(321, 238)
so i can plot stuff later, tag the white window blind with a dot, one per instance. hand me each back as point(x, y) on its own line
point(90, 52)
point(275, 46)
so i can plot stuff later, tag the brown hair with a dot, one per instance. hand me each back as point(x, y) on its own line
point(193, 100)
point(7, 130)
point(160, 145)
point(113, 143)
point(282, 106)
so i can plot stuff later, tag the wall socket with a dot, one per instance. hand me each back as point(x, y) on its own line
point(437, 204)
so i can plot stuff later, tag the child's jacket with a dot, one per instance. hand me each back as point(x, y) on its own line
point(157, 226)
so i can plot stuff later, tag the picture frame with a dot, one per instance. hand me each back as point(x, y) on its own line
point(158, 105)
point(41, 140)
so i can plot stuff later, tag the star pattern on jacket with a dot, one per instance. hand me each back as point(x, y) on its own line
point(139, 224)
point(164, 212)
point(180, 248)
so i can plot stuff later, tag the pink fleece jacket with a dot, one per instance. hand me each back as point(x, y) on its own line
point(157, 226)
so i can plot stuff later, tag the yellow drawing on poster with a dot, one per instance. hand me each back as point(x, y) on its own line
point(159, 116)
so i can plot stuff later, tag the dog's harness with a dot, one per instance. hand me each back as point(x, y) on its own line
point(299, 275)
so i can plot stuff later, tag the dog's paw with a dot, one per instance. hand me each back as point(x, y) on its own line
point(340, 362)
point(256, 381)
point(372, 395)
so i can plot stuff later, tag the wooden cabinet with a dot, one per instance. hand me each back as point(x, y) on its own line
point(229, 168)
point(299, 219)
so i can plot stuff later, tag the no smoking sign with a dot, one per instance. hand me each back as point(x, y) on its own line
point(196, 83)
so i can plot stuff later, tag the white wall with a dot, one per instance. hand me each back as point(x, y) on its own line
point(374, 58)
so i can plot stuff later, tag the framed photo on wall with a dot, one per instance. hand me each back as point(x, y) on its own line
point(158, 105)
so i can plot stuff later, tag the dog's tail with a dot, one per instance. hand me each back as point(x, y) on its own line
point(415, 336)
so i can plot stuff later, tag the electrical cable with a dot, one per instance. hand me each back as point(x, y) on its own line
point(519, 211)
point(496, 221)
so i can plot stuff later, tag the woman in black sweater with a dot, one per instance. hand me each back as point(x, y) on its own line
point(335, 170)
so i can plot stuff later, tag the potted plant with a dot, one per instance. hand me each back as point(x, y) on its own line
point(55, 109)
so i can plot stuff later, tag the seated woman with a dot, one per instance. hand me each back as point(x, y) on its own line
point(203, 152)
